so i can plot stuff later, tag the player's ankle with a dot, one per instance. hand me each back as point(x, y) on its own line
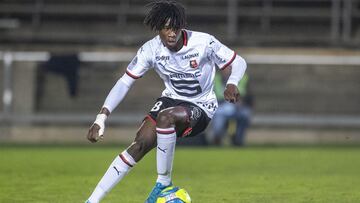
point(164, 180)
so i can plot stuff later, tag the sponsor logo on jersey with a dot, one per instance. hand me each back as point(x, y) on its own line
point(193, 64)
point(209, 106)
point(185, 75)
point(221, 60)
point(162, 58)
point(189, 56)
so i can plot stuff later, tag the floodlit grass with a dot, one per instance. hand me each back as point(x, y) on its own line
point(211, 175)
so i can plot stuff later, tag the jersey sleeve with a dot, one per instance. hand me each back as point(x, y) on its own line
point(141, 63)
point(220, 54)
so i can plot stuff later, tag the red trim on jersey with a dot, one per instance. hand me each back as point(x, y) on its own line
point(186, 132)
point(133, 76)
point(161, 131)
point(228, 63)
point(151, 119)
point(124, 160)
point(185, 37)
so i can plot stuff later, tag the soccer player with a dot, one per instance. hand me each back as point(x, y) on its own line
point(186, 61)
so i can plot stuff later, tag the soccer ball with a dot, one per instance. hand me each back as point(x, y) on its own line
point(173, 194)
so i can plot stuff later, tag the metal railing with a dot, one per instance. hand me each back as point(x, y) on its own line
point(8, 58)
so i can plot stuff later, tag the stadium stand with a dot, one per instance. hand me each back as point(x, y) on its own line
point(242, 22)
point(297, 89)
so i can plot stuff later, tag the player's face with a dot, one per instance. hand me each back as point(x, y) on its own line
point(171, 37)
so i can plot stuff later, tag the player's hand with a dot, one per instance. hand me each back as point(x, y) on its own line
point(96, 131)
point(231, 93)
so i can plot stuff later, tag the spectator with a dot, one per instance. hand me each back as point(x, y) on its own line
point(227, 112)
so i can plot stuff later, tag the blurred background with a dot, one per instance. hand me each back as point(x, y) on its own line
point(60, 58)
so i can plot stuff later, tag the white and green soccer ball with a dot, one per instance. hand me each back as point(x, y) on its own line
point(173, 194)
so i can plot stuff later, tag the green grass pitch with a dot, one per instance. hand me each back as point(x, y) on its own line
point(212, 175)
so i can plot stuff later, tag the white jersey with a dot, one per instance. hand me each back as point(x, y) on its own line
point(188, 74)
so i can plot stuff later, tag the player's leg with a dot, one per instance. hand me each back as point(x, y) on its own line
point(145, 140)
point(168, 122)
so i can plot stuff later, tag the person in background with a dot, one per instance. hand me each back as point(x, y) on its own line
point(239, 113)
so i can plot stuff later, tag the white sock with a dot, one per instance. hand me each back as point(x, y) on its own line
point(116, 171)
point(166, 141)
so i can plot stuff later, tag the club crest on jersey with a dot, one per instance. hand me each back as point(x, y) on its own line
point(193, 64)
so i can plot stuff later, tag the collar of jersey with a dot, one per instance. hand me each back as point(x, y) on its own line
point(185, 37)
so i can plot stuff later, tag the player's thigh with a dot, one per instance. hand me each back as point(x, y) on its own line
point(176, 115)
point(160, 104)
point(198, 121)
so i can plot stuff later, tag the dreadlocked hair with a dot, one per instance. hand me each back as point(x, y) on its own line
point(163, 10)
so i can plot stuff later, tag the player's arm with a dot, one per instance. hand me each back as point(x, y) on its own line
point(226, 59)
point(115, 96)
point(237, 67)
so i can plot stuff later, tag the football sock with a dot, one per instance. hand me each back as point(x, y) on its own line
point(116, 171)
point(166, 141)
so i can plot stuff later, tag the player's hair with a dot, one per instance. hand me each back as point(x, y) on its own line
point(163, 10)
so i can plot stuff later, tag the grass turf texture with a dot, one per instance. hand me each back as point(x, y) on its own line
point(253, 174)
